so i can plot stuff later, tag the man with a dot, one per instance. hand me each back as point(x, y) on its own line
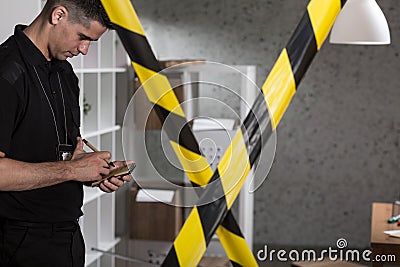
point(42, 161)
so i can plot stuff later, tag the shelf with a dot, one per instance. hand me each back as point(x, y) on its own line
point(101, 131)
point(100, 70)
point(91, 194)
point(91, 257)
point(106, 246)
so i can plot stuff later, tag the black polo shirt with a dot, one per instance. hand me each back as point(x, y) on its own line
point(30, 88)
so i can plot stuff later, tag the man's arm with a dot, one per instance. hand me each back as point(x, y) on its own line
point(83, 167)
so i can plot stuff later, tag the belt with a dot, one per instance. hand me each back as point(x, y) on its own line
point(70, 226)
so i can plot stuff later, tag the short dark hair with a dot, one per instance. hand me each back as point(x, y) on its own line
point(81, 11)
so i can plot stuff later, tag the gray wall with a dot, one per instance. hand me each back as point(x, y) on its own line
point(338, 143)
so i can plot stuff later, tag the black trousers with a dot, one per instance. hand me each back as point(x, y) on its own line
point(25, 244)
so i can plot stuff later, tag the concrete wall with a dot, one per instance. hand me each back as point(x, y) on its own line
point(338, 143)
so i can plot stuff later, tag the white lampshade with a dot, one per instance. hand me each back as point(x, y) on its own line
point(360, 22)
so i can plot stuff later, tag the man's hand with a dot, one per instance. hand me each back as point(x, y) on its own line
point(88, 167)
point(112, 184)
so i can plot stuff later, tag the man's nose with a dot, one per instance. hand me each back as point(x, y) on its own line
point(84, 47)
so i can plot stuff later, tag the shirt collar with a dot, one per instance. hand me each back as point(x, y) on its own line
point(32, 54)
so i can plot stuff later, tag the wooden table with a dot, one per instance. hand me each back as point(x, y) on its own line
point(381, 243)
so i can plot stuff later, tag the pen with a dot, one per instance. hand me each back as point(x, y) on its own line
point(92, 147)
point(394, 219)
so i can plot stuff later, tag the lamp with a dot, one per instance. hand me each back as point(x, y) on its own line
point(360, 22)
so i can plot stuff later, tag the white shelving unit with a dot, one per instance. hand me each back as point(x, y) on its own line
point(98, 226)
point(97, 80)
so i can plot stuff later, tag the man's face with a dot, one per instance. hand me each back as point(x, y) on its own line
point(71, 39)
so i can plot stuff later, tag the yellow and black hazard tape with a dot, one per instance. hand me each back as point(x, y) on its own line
point(294, 60)
point(159, 92)
point(278, 90)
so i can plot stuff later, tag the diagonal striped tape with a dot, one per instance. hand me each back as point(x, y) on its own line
point(236, 163)
point(278, 90)
point(294, 60)
point(160, 93)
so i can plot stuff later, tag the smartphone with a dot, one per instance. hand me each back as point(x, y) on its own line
point(118, 172)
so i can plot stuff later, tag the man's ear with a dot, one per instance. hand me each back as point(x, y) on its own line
point(59, 13)
point(2, 155)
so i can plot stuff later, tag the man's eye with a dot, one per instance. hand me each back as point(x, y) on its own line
point(82, 37)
